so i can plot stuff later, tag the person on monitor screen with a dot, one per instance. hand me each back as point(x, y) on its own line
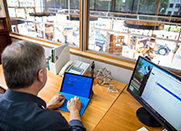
point(144, 80)
point(24, 68)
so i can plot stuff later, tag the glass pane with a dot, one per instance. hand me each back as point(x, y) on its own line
point(103, 5)
point(74, 4)
point(92, 4)
point(123, 6)
point(47, 19)
point(145, 6)
point(125, 35)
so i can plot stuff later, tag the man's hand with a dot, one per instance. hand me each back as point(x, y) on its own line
point(56, 101)
point(74, 106)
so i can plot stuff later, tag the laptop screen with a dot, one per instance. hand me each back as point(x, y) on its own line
point(78, 85)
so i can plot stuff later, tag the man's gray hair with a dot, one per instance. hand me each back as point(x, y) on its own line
point(21, 62)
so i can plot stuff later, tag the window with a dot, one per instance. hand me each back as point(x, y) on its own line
point(169, 12)
point(177, 5)
point(175, 13)
point(52, 20)
point(171, 5)
point(118, 29)
point(123, 35)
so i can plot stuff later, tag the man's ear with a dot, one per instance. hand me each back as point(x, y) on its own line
point(40, 75)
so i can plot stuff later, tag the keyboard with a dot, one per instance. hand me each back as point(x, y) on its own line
point(84, 102)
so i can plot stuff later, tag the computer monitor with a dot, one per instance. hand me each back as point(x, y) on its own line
point(159, 92)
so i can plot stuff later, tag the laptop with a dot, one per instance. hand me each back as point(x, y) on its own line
point(76, 85)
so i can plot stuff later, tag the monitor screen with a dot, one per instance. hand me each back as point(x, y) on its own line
point(159, 92)
point(77, 84)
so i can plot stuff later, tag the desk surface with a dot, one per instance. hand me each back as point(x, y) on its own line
point(100, 102)
point(122, 116)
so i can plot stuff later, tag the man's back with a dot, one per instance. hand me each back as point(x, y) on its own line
point(22, 111)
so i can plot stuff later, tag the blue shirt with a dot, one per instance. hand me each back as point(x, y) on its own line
point(26, 112)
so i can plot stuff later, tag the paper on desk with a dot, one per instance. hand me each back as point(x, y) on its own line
point(142, 129)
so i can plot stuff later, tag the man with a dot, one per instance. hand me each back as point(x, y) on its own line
point(24, 68)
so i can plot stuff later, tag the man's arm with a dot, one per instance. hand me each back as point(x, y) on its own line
point(73, 106)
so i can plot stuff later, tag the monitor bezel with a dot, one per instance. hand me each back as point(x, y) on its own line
point(157, 116)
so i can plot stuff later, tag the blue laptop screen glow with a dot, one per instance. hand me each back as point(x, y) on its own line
point(77, 85)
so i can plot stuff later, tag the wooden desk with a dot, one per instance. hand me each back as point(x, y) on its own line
point(122, 116)
point(100, 102)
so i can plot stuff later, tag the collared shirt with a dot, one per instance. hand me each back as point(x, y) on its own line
point(26, 112)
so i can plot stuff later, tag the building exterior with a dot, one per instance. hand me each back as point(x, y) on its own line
point(173, 8)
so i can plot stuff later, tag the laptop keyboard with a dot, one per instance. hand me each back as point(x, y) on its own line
point(84, 102)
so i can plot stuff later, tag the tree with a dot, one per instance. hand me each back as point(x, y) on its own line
point(103, 5)
point(128, 5)
point(119, 6)
point(146, 6)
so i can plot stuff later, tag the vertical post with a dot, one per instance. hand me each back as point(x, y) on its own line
point(132, 6)
point(46, 9)
point(69, 9)
point(176, 48)
point(5, 5)
point(84, 24)
point(95, 1)
point(157, 8)
point(136, 41)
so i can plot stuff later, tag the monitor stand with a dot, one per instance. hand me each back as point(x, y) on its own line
point(146, 118)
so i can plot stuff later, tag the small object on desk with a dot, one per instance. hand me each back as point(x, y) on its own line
point(112, 88)
point(103, 76)
point(142, 129)
point(92, 69)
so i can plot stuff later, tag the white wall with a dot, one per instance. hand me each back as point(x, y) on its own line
point(118, 73)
